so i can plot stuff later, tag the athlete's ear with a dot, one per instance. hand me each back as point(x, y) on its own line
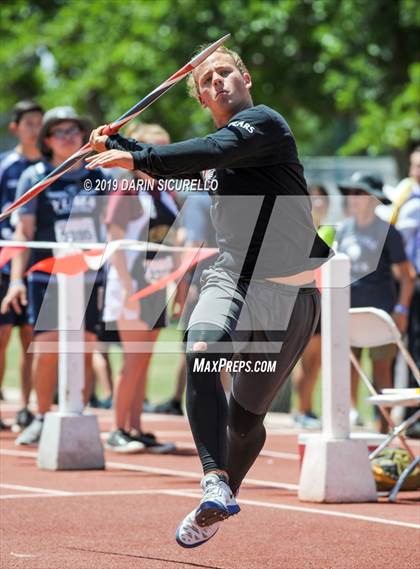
point(247, 80)
point(200, 100)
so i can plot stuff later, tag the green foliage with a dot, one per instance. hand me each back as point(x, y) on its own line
point(343, 72)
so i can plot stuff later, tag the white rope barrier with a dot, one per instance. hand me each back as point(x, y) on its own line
point(129, 244)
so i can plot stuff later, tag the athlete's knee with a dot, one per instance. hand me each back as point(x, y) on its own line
point(242, 423)
point(205, 338)
point(199, 347)
point(195, 352)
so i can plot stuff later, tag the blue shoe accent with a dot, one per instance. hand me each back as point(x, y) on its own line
point(234, 509)
point(212, 505)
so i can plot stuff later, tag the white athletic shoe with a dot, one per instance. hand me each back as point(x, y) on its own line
point(190, 534)
point(32, 434)
point(217, 504)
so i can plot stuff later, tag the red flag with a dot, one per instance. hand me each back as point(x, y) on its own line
point(66, 265)
point(8, 253)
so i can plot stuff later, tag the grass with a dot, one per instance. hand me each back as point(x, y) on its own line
point(163, 371)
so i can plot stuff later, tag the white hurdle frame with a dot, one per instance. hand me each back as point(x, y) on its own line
point(336, 466)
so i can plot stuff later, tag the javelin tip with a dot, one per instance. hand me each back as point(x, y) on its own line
point(199, 58)
point(225, 38)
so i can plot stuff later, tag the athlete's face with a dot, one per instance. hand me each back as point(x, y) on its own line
point(27, 129)
point(64, 139)
point(222, 88)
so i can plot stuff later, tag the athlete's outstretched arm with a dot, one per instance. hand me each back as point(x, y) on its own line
point(239, 144)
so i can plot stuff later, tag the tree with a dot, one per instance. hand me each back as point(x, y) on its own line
point(344, 73)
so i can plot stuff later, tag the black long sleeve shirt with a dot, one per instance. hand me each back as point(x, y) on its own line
point(261, 209)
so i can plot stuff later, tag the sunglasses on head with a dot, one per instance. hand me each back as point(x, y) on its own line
point(65, 132)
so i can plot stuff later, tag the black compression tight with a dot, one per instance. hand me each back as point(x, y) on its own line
point(245, 439)
point(228, 439)
point(206, 400)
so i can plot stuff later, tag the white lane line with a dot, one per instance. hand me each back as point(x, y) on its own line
point(89, 493)
point(33, 489)
point(20, 453)
point(278, 454)
point(166, 471)
point(23, 555)
point(305, 510)
point(197, 475)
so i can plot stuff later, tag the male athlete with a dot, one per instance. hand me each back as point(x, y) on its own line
point(258, 301)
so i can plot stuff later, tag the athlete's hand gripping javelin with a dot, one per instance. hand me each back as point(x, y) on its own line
point(107, 158)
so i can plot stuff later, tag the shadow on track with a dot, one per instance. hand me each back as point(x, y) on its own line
point(147, 557)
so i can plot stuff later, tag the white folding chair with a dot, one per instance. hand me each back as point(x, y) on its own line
point(371, 327)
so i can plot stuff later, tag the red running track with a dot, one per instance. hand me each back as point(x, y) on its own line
point(125, 516)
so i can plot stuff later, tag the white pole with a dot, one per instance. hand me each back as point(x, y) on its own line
point(70, 440)
point(336, 467)
point(335, 347)
point(71, 374)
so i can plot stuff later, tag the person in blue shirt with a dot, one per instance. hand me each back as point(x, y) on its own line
point(376, 251)
point(25, 125)
point(64, 211)
point(407, 221)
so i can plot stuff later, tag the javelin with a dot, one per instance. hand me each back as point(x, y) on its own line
point(114, 127)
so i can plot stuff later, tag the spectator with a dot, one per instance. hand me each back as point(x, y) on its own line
point(375, 249)
point(102, 369)
point(146, 216)
point(406, 216)
point(102, 375)
point(25, 125)
point(56, 214)
point(306, 373)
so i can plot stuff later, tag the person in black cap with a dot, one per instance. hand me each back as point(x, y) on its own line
point(375, 249)
point(65, 211)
